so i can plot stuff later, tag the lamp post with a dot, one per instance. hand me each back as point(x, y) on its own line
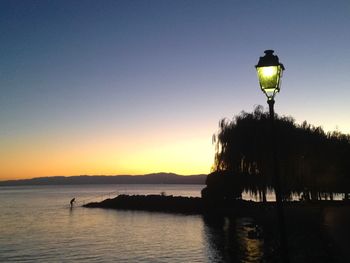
point(269, 73)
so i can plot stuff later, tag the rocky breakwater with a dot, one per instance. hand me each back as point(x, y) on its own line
point(161, 203)
point(180, 204)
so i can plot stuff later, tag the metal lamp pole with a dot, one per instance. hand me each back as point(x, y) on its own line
point(270, 72)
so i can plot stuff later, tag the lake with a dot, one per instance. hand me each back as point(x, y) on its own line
point(37, 225)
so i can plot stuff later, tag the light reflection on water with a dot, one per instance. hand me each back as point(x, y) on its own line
point(36, 225)
point(228, 240)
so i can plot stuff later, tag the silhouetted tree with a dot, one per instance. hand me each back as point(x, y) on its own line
point(310, 161)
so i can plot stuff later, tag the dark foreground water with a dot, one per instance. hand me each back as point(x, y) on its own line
point(37, 225)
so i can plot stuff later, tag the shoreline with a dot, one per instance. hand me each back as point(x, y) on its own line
point(198, 205)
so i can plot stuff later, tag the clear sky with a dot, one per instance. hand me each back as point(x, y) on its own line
point(133, 87)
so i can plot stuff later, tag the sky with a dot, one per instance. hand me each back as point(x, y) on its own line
point(135, 87)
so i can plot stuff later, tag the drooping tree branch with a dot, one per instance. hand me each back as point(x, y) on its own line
point(310, 160)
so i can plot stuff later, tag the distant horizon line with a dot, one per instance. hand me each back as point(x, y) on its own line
point(101, 175)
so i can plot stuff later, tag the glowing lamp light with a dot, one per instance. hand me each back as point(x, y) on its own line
point(269, 73)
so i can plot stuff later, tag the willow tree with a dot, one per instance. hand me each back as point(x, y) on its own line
point(309, 160)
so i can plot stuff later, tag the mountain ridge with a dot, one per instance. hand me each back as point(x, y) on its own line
point(152, 178)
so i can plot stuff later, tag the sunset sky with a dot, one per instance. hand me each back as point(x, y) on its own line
point(134, 87)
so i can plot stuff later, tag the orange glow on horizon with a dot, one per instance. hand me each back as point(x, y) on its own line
point(112, 155)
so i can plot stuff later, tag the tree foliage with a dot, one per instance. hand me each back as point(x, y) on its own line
point(310, 161)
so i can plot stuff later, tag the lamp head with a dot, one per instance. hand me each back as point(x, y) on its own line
point(269, 73)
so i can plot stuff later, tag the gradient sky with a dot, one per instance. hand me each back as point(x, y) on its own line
point(133, 87)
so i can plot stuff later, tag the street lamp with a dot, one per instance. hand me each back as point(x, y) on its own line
point(269, 73)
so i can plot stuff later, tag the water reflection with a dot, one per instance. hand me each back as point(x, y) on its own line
point(70, 211)
point(233, 240)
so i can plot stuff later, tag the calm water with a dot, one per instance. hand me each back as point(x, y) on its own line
point(36, 225)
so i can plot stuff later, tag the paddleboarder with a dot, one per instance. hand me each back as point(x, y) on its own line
point(72, 202)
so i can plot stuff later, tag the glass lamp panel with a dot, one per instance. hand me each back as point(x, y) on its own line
point(269, 79)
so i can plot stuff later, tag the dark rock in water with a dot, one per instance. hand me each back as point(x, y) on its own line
point(176, 204)
point(197, 205)
point(180, 204)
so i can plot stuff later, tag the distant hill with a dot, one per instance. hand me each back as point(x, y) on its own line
point(155, 178)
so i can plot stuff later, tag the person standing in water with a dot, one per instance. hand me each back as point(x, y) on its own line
point(72, 202)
